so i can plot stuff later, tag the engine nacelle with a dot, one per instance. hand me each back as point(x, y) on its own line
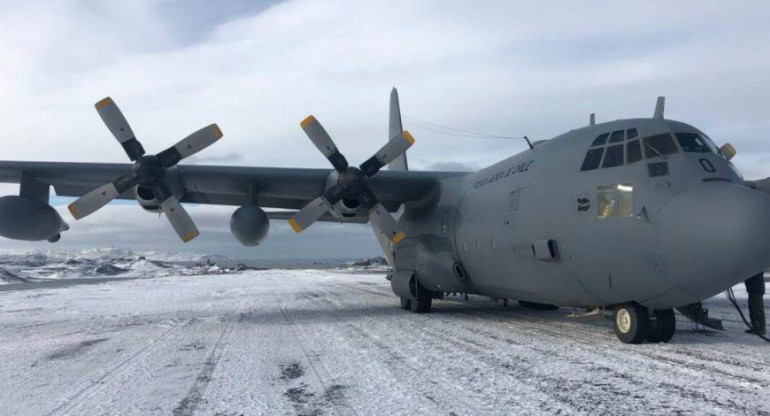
point(146, 199)
point(27, 219)
point(346, 207)
point(249, 225)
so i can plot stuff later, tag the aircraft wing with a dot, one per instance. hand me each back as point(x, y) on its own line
point(283, 188)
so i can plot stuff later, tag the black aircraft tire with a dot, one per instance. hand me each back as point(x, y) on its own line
point(631, 322)
point(538, 306)
point(405, 304)
point(664, 327)
point(423, 298)
point(422, 303)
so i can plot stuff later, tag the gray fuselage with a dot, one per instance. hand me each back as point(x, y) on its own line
point(672, 228)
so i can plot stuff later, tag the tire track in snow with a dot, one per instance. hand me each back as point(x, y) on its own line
point(322, 374)
point(92, 388)
point(583, 335)
point(190, 401)
point(667, 364)
point(401, 364)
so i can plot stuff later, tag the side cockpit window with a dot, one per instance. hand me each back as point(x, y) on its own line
point(613, 157)
point(633, 151)
point(601, 140)
point(692, 143)
point(593, 158)
point(615, 150)
point(659, 145)
point(616, 136)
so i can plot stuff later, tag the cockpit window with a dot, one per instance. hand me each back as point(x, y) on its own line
point(614, 156)
point(692, 143)
point(659, 145)
point(631, 133)
point(633, 151)
point(592, 160)
point(616, 136)
point(602, 139)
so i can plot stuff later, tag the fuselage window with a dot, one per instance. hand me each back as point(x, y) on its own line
point(615, 200)
point(592, 160)
point(692, 143)
point(631, 133)
point(613, 157)
point(616, 136)
point(633, 152)
point(602, 139)
point(659, 145)
point(657, 169)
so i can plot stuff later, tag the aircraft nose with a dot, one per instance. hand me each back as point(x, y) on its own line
point(714, 236)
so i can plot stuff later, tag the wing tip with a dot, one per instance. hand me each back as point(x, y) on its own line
point(295, 226)
point(103, 103)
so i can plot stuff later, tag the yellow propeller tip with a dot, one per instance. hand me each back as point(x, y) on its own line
point(74, 211)
point(104, 102)
point(295, 226)
point(408, 136)
point(217, 131)
point(189, 236)
point(398, 237)
point(309, 119)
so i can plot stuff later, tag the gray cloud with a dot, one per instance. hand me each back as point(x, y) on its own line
point(257, 69)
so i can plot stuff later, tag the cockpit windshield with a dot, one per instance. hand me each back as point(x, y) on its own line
point(659, 146)
point(692, 143)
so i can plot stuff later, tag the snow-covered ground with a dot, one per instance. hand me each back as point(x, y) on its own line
point(46, 265)
point(278, 342)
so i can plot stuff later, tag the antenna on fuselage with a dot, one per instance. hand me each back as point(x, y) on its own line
point(592, 119)
point(660, 106)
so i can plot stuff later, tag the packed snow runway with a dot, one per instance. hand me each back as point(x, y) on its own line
point(279, 342)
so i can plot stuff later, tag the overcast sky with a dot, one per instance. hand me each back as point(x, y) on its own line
point(258, 68)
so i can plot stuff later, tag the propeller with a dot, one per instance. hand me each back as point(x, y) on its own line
point(351, 181)
point(148, 171)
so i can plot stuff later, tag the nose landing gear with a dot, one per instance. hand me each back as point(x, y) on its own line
point(634, 324)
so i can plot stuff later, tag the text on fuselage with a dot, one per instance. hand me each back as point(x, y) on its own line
point(521, 167)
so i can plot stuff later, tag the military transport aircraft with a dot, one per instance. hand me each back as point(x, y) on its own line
point(639, 216)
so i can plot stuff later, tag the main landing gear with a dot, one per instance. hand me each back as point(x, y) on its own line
point(421, 302)
point(634, 324)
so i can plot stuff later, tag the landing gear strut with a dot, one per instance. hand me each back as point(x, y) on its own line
point(634, 324)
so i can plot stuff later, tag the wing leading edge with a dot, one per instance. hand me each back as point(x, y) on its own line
point(283, 188)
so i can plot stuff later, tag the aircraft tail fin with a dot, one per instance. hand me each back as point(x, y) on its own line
point(395, 128)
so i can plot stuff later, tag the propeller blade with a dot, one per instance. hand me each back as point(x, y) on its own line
point(383, 221)
point(324, 143)
point(379, 216)
point(315, 209)
point(392, 149)
point(179, 219)
point(190, 145)
point(116, 122)
point(309, 214)
point(101, 196)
